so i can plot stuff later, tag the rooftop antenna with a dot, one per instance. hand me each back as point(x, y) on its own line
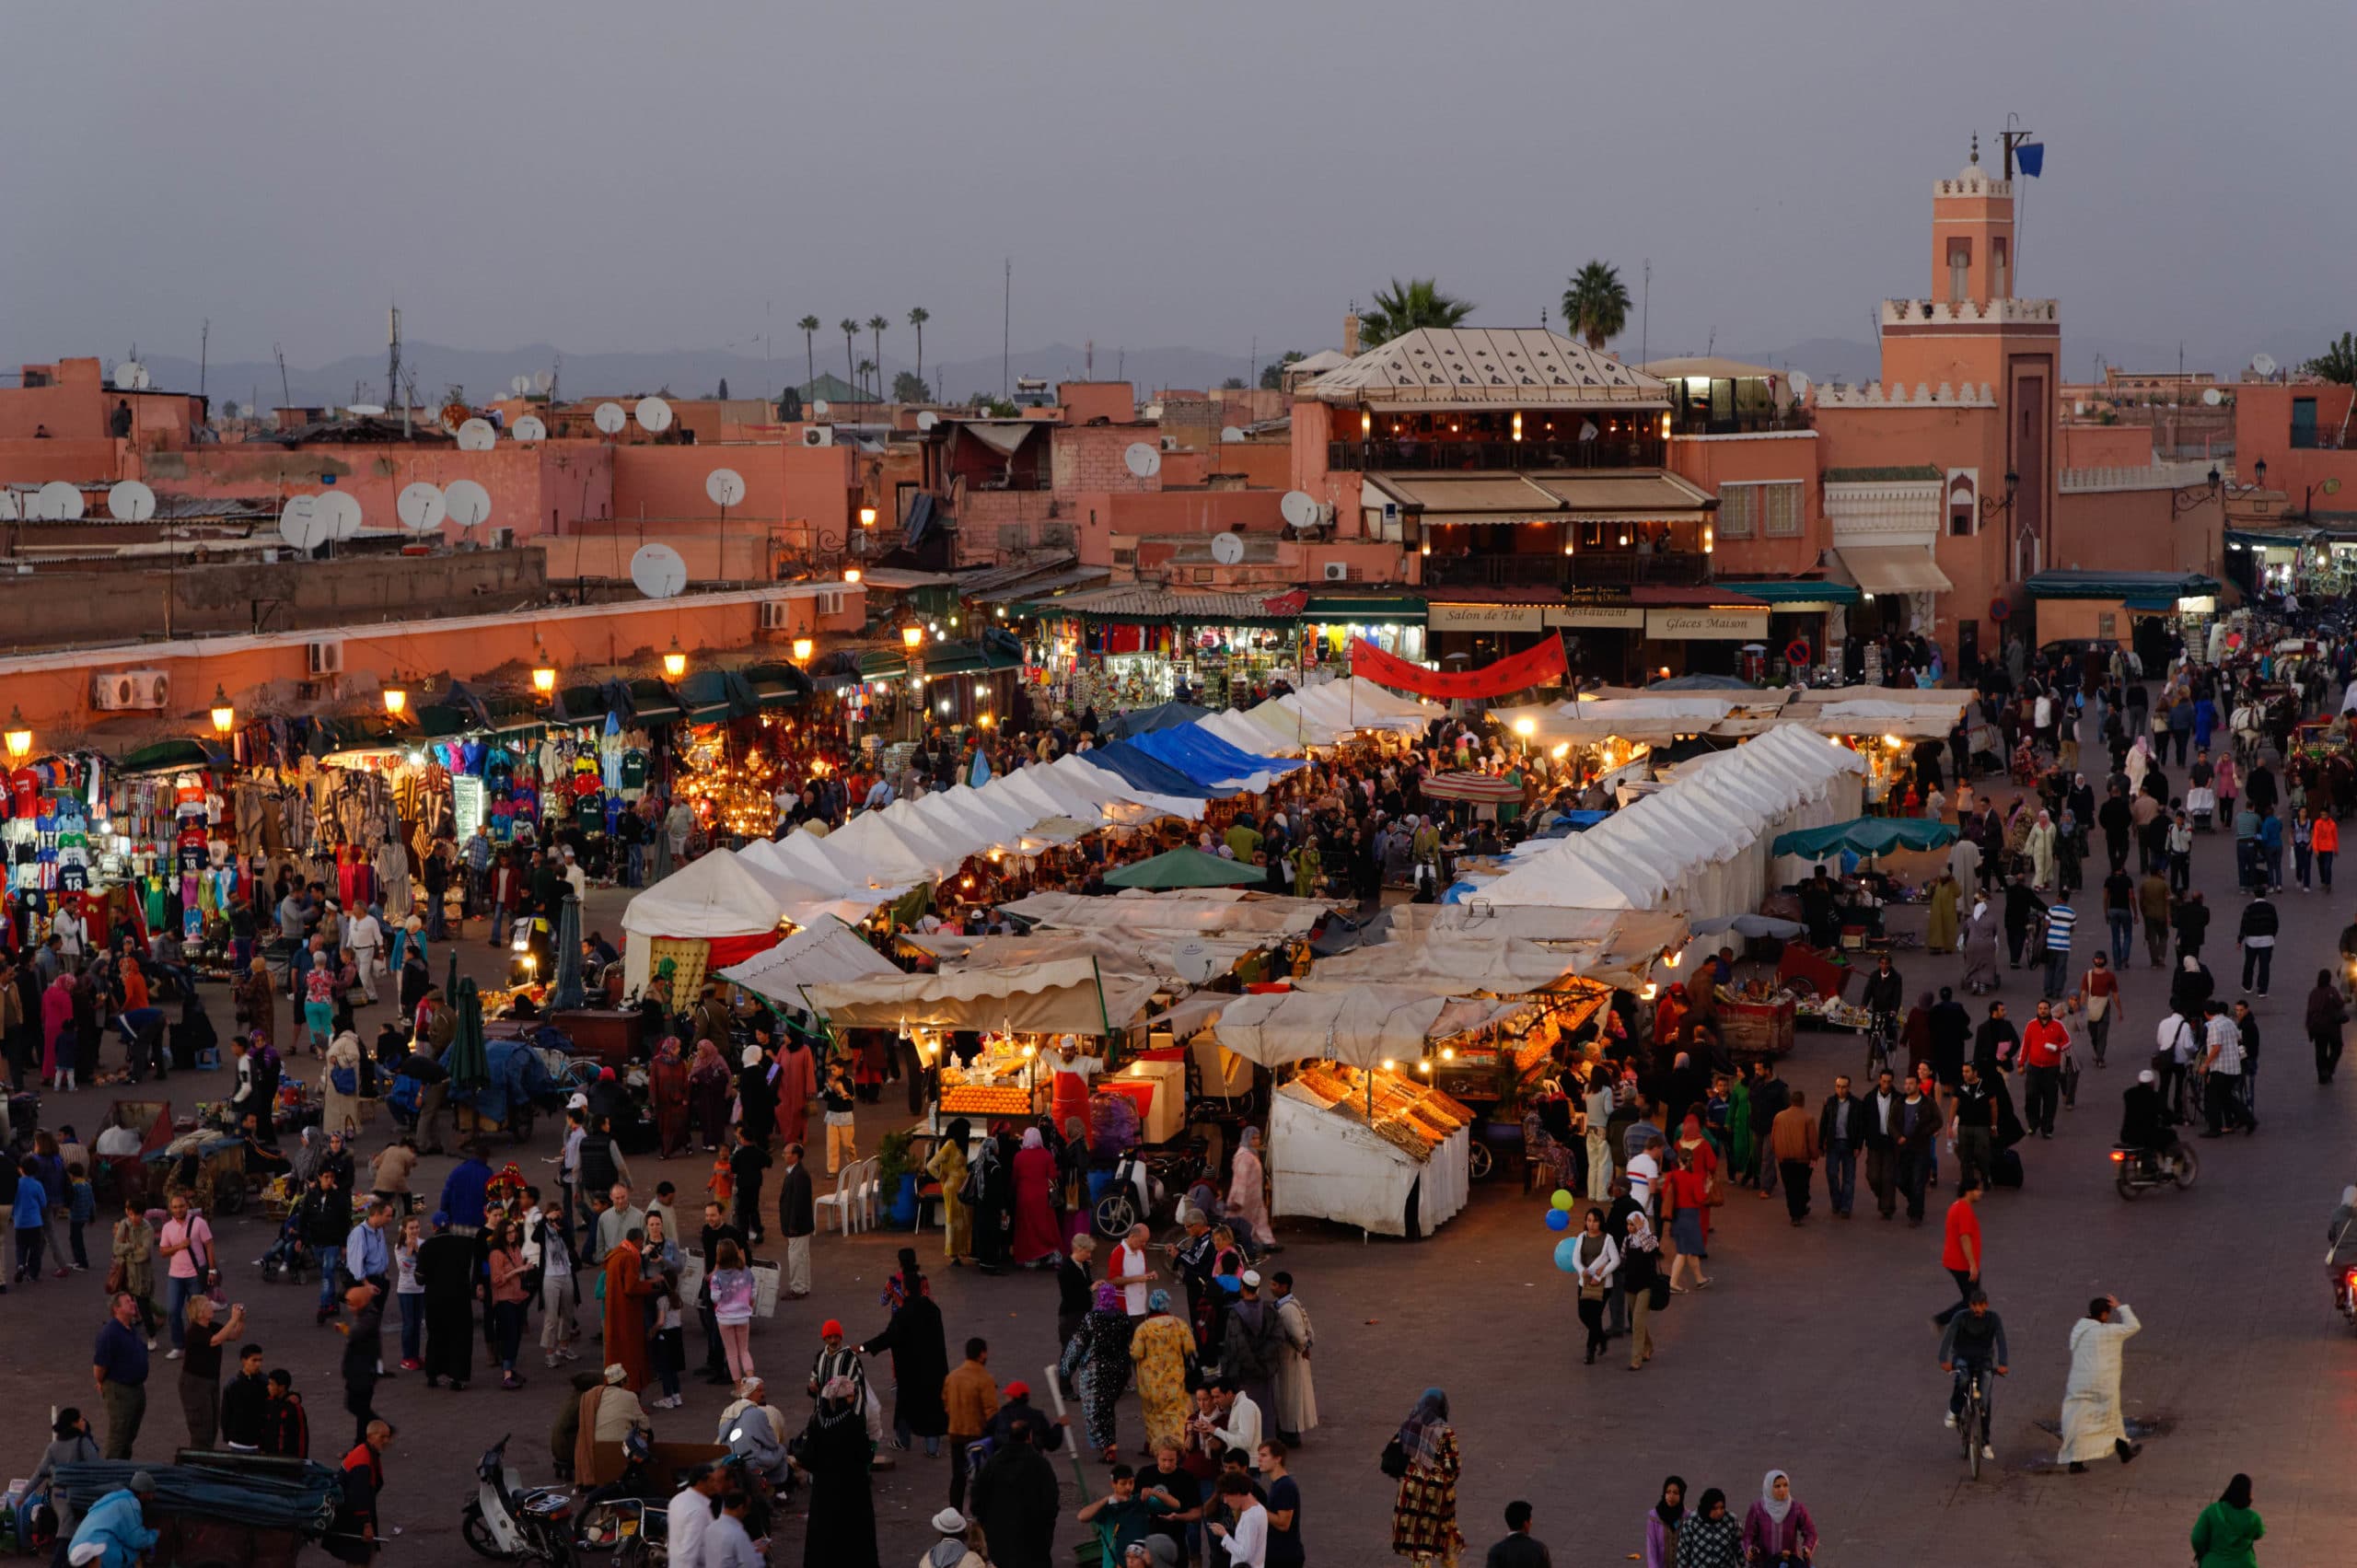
point(1646, 318)
point(1088, 359)
point(204, 353)
point(393, 360)
point(1005, 325)
point(286, 399)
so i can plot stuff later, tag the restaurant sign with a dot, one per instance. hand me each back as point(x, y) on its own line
point(1482, 618)
point(1628, 615)
point(1698, 626)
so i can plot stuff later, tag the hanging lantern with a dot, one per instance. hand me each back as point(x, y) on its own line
point(396, 700)
point(224, 717)
point(20, 736)
point(675, 663)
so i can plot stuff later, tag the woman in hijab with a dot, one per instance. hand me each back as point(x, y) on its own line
point(1709, 1536)
point(1940, 935)
point(1162, 1346)
point(994, 1201)
point(667, 1084)
point(2140, 757)
point(1984, 941)
point(257, 1003)
point(1097, 1359)
point(1423, 1518)
point(2038, 845)
point(1778, 1532)
point(1247, 1198)
point(1640, 1267)
point(834, 1454)
point(1662, 1524)
point(1593, 1258)
point(2227, 1533)
point(1036, 1243)
point(708, 1086)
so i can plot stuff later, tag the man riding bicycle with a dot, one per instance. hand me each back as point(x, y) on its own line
point(1886, 1003)
point(1975, 1342)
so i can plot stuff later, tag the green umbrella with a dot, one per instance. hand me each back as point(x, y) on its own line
point(1186, 869)
point(468, 1063)
point(567, 991)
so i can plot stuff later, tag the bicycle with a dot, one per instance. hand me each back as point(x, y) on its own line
point(1881, 1035)
point(1972, 1422)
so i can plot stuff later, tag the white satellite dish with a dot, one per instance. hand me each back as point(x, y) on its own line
point(1193, 960)
point(131, 376)
point(358, 410)
point(521, 385)
point(1299, 508)
point(819, 408)
point(927, 420)
point(1799, 382)
point(2263, 363)
point(130, 502)
point(300, 525)
point(531, 428)
point(1226, 548)
point(1231, 434)
point(59, 502)
point(477, 436)
point(611, 418)
point(659, 570)
point(654, 415)
point(467, 503)
point(542, 380)
point(1142, 459)
point(725, 486)
point(2212, 396)
point(421, 508)
point(340, 514)
point(11, 509)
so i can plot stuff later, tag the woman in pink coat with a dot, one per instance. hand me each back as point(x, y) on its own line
point(56, 1023)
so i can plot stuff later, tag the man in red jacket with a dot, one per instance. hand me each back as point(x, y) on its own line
point(2044, 1045)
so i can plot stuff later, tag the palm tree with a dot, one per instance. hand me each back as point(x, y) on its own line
point(850, 328)
point(1596, 303)
point(2337, 363)
point(809, 325)
point(1417, 303)
point(917, 319)
point(876, 324)
point(867, 376)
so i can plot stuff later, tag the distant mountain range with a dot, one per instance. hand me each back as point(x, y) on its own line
point(488, 373)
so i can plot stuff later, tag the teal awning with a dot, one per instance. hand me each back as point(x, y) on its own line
point(2151, 586)
point(170, 756)
point(1866, 835)
point(651, 702)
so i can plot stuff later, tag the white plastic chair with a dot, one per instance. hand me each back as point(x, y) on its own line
point(871, 1182)
point(841, 1201)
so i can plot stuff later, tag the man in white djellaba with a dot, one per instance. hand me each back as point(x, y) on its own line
point(2092, 1424)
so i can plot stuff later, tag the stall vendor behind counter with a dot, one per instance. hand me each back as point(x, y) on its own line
point(1072, 1071)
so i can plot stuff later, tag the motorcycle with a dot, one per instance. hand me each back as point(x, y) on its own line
point(2135, 1170)
point(626, 1517)
point(511, 1523)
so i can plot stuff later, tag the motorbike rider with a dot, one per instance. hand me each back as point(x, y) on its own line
point(1975, 1341)
point(2145, 1124)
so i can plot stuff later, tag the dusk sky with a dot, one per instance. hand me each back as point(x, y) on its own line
point(611, 176)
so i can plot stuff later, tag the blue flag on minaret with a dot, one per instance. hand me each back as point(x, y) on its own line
point(2030, 157)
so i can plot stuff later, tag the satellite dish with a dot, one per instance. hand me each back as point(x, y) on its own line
point(1143, 458)
point(659, 570)
point(339, 514)
point(2212, 396)
point(927, 420)
point(362, 409)
point(130, 502)
point(654, 415)
point(531, 428)
point(467, 503)
point(725, 486)
point(60, 502)
point(2263, 363)
point(11, 509)
point(1226, 548)
point(1799, 382)
point(1231, 434)
point(520, 386)
point(300, 524)
point(1193, 960)
point(819, 408)
point(1299, 508)
point(611, 418)
point(131, 376)
point(421, 508)
point(542, 380)
point(477, 436)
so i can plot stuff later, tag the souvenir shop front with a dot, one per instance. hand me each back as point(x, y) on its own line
point(134, 848)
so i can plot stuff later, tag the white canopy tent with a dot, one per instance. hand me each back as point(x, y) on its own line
point(1065, 998)
point(710, 896)
point(1191, 912)
point(826, 952)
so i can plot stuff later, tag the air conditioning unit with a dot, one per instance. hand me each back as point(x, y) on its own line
point(773, 615)
point(325, 658)
point(118, 690)
point(1337, 572)
point(817, 435)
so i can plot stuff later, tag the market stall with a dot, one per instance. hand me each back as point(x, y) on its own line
point(826, 952)
point(710, 914)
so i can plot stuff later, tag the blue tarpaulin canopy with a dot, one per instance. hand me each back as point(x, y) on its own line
point(1141, 770)
point(1145, 721)
point(516, 1073)
point(1206, 758)
point(1867, 835)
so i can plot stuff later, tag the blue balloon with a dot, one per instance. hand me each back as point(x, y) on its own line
point(1558, 1219)
point(1567, 1256)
